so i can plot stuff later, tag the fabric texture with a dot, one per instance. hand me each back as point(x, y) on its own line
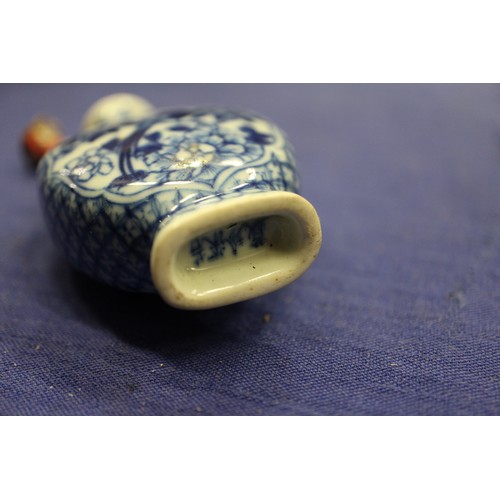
point(400, 314)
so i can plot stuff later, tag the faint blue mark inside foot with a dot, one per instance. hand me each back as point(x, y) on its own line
point(228, 241)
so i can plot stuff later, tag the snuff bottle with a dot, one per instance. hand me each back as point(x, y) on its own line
point(197, 204)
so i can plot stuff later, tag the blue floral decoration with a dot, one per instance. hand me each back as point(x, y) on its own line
point(107, 191)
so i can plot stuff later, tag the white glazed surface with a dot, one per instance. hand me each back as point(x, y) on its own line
point(115, 109)
point(290, 246)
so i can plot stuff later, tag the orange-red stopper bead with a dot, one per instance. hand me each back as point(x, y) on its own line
point(41, 135)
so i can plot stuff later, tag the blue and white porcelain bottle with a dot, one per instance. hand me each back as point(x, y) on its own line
point(198, 204)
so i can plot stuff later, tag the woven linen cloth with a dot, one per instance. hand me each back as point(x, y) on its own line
point(399, 315)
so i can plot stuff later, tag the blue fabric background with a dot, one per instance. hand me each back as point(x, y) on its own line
point(400, 314)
